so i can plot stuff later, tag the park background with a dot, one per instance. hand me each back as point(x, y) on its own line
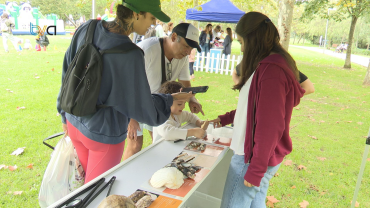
point(328, 128)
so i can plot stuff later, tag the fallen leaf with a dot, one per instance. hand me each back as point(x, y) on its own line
point(300, 167)
point(321, 158)
point(276, 175)
point(20, 108)
point(30, 166)
point(360, 123)
point(304, 204)
point(52, 69)
point(337, 122)
point(323, 193)
point(331, 173)
point(312, 187)
point(237, 97)
point(296, 108)
point(293, 187)
point(322, 121)
point(47, 62)
point(356, 204)
point(288, 162)
point(3, 166)
point(18, 151)
point(12, 168)
point(349, 121)
point(270, 204)
point(17, 192)
point(313, 137)
point(342, 109)
point(9, 192)
point(368, 159)
point(271, 200)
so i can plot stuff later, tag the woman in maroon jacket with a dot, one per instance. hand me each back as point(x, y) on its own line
point(268, 90)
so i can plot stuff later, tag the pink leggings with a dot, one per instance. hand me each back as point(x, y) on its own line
point(95, 157)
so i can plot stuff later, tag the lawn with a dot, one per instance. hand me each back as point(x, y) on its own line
point(328, 128)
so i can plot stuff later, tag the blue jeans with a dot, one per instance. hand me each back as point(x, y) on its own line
point(236, 194)
point(205, 48)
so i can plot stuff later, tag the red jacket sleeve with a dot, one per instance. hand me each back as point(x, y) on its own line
point(227, 118)
point(270, 125)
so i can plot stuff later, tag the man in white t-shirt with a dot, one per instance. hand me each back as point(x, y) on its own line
point(176, 47)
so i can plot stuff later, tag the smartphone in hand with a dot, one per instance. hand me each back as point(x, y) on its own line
point(201, 89)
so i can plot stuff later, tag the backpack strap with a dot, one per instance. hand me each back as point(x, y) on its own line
point(123, 48)
point(90, 31)
point(164, 78)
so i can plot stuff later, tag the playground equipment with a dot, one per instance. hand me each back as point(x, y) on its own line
point(23, 15)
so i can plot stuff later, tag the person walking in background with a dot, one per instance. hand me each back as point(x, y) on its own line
point(7, 26)
point(42, 41)
point(205, 38)
point(268, 90)
point(228, 42)
point(191, 62)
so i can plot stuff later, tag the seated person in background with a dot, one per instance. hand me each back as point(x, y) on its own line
point(305, 83)
point(171, 130)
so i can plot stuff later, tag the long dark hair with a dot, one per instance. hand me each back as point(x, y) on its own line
point(260, 38)
point(229, 33)
point(206, 29)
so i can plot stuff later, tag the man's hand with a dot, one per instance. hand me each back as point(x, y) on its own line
point(65, 129)
point(195, 106)
point(247, 184)
point(132, 129)
point(216, 122)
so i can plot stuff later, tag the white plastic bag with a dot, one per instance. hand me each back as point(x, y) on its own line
point(60, 175)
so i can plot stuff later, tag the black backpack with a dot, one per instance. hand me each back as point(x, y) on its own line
point(81, 84)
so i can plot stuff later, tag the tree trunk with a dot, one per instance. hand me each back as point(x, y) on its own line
point(300, 39)
point(367, 76)
point(285, 21)
point(347, 63)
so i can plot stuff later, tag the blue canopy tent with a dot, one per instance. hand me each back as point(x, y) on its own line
point(216, 11)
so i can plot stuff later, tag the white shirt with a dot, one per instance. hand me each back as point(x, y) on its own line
point(159, 31)
point(240, 119)
point(171, 130)
point(153, 64)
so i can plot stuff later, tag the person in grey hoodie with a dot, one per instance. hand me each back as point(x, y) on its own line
point(99, 138)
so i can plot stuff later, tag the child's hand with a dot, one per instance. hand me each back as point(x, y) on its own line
point(197, 132)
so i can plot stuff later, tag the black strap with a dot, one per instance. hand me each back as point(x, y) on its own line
point(51, 137)
point(94, 185)
point(164, 78)
point(90, 31)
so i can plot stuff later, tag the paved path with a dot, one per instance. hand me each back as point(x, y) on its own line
point(364, 61)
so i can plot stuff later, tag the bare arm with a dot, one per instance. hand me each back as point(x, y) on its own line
point(235, 77)
point(307, 85)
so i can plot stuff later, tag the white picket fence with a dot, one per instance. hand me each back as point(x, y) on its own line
point(220, 64)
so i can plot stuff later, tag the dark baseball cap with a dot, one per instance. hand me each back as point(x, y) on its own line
point(151, 6)
point(190, 33)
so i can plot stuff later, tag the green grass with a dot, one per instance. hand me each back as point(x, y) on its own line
point(337, 114)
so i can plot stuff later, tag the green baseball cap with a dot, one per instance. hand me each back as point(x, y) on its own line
point(151, 6)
